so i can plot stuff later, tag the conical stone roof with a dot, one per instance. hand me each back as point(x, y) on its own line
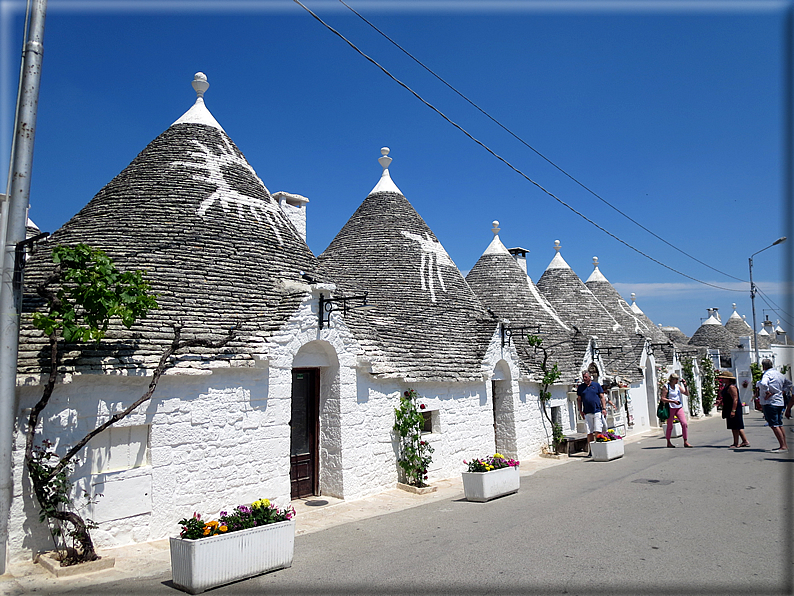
point(504, 287)
point(579, 307)
point(427, 324)
point(633, 321)
point(737, 325)
point(216, 248)
point(711, 334)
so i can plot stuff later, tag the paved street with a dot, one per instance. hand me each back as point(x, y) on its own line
point(658, 521)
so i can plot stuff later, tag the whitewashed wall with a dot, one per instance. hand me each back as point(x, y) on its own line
point(203, 443)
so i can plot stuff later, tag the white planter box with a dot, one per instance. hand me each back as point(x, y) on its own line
point(746, 409)
point(484, 486)
point(676, 431)
point(606, 451)
point(197, 565)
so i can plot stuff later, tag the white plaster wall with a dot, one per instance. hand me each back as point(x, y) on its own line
point(215, 441)
point(462, 429)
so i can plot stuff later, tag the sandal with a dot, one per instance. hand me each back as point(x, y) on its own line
point(687, 445)
point(671, 446)
point(744, 445)
point(734, 446)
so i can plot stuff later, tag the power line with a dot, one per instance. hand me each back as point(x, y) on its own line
point(503, 160)
point(528, 146)
point(777, 310)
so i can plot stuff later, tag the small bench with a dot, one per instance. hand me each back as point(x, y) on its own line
point(575, 443)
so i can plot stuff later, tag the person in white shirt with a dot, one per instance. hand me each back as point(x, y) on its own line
point(672, 394)
point(771, 390)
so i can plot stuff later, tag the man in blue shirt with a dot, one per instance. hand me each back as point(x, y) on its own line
point(592, 405)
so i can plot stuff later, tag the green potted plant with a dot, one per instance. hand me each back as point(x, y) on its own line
point(490, 477)
point(245, 542)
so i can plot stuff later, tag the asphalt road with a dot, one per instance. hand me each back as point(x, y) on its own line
point(707, 520)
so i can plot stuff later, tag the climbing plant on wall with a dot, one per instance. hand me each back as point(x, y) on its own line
point(550, 375)
point(84, 293)
point(688, 365)
point(709, 384)
point(414, 453)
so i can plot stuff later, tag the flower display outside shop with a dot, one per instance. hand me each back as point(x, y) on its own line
point(494, 462)
point(608, 436)
point(260, 513)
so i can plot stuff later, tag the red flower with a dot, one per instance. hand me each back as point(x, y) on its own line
point(421, 406)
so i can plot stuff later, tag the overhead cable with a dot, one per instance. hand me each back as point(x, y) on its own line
point(503, 160)
point(538, 153)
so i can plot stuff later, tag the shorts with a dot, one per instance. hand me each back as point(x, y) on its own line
point(595, 423)
point(774, 415)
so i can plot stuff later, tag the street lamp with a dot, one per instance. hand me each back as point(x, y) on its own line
point(752, 293)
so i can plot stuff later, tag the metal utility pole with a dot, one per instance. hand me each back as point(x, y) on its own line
point(752, 294)
point(15, 222)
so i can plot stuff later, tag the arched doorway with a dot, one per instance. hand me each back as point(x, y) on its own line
point(650, 390)
point(304, 471)
point(315, 419)
point(504, 424)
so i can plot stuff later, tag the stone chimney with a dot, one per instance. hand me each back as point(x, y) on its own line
point(294, 207)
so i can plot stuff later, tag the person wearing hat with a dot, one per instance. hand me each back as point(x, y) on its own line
point(672, 394)
point(732, 409)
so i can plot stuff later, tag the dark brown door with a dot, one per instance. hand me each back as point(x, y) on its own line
point(305, 424)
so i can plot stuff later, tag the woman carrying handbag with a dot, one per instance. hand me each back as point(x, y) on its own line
point(672, 395)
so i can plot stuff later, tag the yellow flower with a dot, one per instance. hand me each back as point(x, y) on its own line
point(213, 524)
point(223, 528)
point(207, 530)
point(498, 456)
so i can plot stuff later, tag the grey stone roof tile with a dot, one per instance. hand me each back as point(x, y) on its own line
point(578, 306)
point(192, 213)
point(505, 288)
point(428, 324)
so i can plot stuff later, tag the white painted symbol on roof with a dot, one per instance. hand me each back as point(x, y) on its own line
point(224, 194)
point(433, 257)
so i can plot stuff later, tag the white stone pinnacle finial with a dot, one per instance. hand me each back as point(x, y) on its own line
point(734, 307)
point(495, 227)
point(200, 83)
point(557, 245)
point(595, 262)
point(385, 160)
point(633, 297)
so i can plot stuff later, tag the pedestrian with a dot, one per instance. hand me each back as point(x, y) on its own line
point(592, 405)
point(732, 409)
point(672, 394)
point(771, 390)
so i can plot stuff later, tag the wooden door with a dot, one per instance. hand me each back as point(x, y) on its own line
point(305, 431)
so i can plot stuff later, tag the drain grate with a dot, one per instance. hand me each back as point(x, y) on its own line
point(652, 481)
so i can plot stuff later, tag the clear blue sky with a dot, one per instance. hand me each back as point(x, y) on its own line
point(671, 111)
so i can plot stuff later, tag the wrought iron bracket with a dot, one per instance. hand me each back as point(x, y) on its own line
point(329, 305)
point(507, 332)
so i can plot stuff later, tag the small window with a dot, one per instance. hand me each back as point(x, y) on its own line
point(427, 425)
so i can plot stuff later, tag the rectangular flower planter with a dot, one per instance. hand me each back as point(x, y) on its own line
point(677, 432)
point(607, 450)
point(198, 565)
point(745, 409)
point(484, 486)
